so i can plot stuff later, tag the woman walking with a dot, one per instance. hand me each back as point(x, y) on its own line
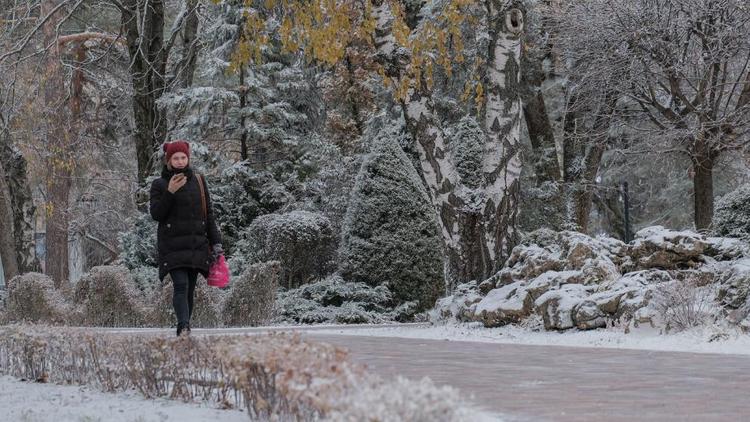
point(188, 240)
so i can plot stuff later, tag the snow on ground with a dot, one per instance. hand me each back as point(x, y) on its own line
point(697, 340)
point(34, 402)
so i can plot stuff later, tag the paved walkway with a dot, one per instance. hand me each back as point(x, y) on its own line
point(552, 383)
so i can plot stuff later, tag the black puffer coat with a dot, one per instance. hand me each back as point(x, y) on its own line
point(184, 236)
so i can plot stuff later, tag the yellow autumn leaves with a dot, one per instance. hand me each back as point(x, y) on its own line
point(323, 30)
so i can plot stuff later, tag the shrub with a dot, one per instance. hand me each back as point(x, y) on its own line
point(390, 236)
point(32, 297)
point(107, 296)
point(251, 297)
point(732, 214)
point(272, 376)
point(334, 300)
point(301, 241)
point(138, 246)
point(681, 304)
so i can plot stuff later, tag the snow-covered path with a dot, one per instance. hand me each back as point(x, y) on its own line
point(34, 402)
point(563, 383)
point(640, 376)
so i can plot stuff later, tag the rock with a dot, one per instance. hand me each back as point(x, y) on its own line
point(579, 251)
point(646, 314)
point(459, 305)
point(551, 279)
point(599, 270)
point(504, 305)
point(587, 316)
point(528, 262)
point(608, 301)
point(657, 247)
point(636, 280)
point(486, 286)
point(556, 306)
point(631, 303)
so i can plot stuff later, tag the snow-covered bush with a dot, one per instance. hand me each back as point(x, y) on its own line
point(403, 400)
point(390, 236)
point(107, 296)
point(251, 298)
point(32, 297)
point(206, 306)
point(732, 214)
point(138, 246)
point(466, 141)
point(301, 241)
point(681, 304)
point(146, 279)
point(333, 300)
point(240, 195)
point(275, 377)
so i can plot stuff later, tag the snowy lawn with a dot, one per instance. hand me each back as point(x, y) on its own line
point(698, 340)
point(35, 402)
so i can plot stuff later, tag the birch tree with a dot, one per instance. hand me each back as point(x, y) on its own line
point(477, 215)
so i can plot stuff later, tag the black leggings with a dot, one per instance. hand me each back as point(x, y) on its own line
point(183, 280)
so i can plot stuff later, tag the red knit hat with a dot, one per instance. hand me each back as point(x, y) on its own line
point(176, 146)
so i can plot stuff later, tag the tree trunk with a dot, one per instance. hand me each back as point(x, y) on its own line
point(584, 191)
point(703, 185)
point(60, 163)
point(148, 64)
point(22, 206)
point(582, 169)
point(477, 221)
point(243, 103)
point(538, 120)
point(190, 45)
point(7, 244)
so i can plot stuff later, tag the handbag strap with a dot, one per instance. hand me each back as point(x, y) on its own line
point(203, 196)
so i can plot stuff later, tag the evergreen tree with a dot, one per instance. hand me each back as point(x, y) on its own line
point(390, 236)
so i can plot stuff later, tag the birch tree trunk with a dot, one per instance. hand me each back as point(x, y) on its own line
point(477, 220)
point(22, 208)
point(7, 245)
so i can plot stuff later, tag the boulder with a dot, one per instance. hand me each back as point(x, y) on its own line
point(657, 247)
point(587, 316)
point(557, 306)
point(550, 280)
point(460, 305)
point(504, 305)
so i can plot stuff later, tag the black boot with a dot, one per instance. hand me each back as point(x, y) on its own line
point(183, 329)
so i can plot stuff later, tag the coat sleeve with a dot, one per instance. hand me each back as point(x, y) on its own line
point(161, 201)
point(214, 235)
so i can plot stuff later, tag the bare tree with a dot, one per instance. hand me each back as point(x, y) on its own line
point(149, 46)
point(679, 72)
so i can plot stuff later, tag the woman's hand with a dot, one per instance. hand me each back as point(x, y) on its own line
point(176, 182)
point(216, 252)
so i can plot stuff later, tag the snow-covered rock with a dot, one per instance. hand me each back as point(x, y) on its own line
point(657, 247)
point(557, 306)
point(460, 305)
point(510, 303)
point(573, 280)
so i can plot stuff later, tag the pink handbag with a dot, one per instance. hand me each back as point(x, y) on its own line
point(218, 274)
